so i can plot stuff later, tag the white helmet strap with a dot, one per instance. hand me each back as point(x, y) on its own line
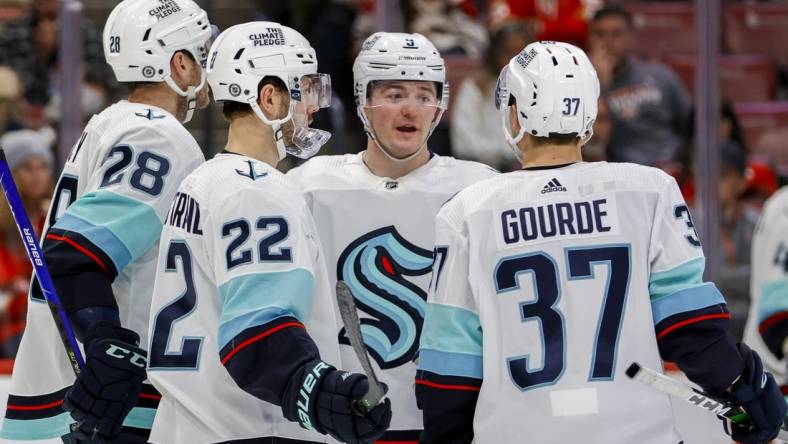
point(277, 125)
point(190, 93)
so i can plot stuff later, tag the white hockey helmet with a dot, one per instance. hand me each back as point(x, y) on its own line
point(244, 54)
point(555, 90)
point(398, 56)
point(141, 36)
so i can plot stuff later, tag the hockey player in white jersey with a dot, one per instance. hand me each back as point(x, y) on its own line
point(242, 329)
point(553, 279)
point(767, 324)
point(102, 231)
point(375, 210)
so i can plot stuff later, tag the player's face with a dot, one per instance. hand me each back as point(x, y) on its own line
point(401, 113)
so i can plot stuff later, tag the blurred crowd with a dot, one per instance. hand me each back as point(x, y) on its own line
point(644, 54)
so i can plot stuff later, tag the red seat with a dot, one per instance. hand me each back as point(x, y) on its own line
point(756, 28)
point(663, 28)
point(458, 68)
point(765, 126)
point(742, 77)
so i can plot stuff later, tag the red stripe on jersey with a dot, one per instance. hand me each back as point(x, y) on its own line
point(771, 320)
point(80, 248)
point(693, 321)
point(150, 396)
point(259, 337)
point(34, 407)
point(380, 441)
point(467, 388)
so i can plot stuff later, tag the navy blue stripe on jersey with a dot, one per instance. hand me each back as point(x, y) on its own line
point(448, 404)
point(263, 359)
point(400, 437)
point(35, 407)
point(268, 440)
point(774, 331)
point(119, 255)
point(700, 344)
point(253, 300)
point(69, 252)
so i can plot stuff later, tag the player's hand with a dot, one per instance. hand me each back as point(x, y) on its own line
point(109, 384)
point(326, 397)
point(758, 394)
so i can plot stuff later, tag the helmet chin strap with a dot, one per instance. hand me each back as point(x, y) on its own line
point(190, 94)
point(371, 134)
point(276, 125)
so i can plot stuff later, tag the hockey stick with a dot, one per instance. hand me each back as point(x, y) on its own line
point(37, 259)
point(347, 309)
point(721, 408)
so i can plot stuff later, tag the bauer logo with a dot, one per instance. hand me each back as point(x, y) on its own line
point(271, 36)
point(380, 268)
point(31, 243)
point(165, 8)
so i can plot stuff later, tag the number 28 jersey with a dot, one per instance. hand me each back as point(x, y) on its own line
point(110, 201)
point(547, 285)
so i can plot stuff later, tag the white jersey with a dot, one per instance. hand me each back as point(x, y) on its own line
point(549, 283)
point(239, 250)
point(377, 234)
point(117, 185)
point(769, 280)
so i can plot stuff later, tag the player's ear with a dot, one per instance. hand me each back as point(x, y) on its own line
point(182, 68)
point(513, 118)
point(271, 100)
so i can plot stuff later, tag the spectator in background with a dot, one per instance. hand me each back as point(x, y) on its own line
point(596, 148)
point(448, 26)
point(475, 123)
point(559, 20)
point(10, 100)
point(29, 156)
point(30, 46)
point(737, 220)
point(650, 109)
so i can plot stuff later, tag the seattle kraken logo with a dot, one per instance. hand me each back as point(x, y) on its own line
point(375, 267)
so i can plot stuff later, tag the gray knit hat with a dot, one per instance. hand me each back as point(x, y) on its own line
point(23, 144)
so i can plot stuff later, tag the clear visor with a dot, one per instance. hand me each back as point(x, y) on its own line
point(502, 91)
point(201, 50)
point(308, 94)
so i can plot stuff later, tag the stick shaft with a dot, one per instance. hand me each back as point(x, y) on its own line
point(39, 266)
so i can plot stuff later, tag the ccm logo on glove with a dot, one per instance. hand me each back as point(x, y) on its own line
point(121, 353)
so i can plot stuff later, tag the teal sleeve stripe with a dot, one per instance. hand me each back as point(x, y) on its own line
point(666, 283)
point(257, 299)
point(451, 329)
point(100, 237)
point(135, 223)
point(35, 429)
point(140, 417)
point(689, 299)
point(450, 364)
point(774, 299)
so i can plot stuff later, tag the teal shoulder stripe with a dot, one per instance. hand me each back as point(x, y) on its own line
point(774, 299)
point(451, 364)
point(140, 417)
point(665, 283)
point(256, 299)
point(135, 223)
point(100, 237)
point(451, 329)
point(35, 429)
point(689, 299)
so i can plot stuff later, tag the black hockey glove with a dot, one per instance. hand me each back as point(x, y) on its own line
point(759, 395)
point(321, 398)
point(109, 384)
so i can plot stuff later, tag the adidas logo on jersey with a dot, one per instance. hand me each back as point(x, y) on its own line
point(553, 186)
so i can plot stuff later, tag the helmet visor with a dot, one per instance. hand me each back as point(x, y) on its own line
point(308, 94)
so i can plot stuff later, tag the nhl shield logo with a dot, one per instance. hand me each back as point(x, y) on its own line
point(148, 72)
point(235, 90)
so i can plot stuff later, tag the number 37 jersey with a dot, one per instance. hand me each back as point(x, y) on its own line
point(547, 285)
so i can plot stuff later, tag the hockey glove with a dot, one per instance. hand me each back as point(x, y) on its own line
point(109, 384)
point(759, 395)
point(324, 403)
